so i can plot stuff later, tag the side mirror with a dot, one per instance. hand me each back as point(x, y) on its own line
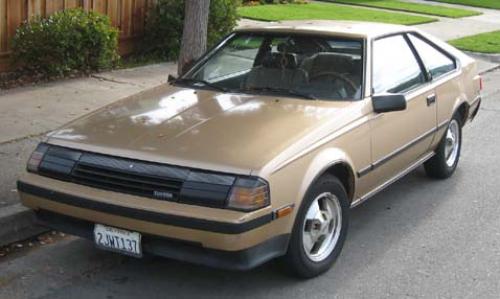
point(171, 78)
point(388, 103)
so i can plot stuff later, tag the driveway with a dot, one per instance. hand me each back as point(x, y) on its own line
point(418, 238)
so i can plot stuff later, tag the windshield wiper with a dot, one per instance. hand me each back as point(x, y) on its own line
point(192, 81)
point(291, 92)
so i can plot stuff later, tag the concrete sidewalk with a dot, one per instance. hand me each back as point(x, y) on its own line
point(27, 113)
point(448, 29)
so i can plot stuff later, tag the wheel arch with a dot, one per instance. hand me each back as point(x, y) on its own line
point(335, 162)
point(345, 174)
point(463, 110)
point(462, 107)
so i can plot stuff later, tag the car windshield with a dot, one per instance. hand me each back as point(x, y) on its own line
point(314, 67)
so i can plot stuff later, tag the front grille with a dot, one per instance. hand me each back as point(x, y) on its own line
point(141, 178)
point(147, 179)
point(121, 181)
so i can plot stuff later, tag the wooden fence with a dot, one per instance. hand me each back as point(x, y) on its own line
point(127, 15)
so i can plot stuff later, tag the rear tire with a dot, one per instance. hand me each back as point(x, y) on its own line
point(444, 163)
point(320, 229)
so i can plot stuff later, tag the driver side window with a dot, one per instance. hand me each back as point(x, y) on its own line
point(395, 67)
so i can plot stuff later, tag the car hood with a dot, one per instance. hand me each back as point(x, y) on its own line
point(197, 128)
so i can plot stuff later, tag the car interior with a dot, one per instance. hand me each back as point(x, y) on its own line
point(323, 67)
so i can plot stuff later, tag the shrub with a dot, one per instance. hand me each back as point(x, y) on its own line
point(70, 40)
point(223, 18)
point(164, 25)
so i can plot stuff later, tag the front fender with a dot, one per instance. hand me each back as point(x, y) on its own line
point(320, 164)
point(289, 183)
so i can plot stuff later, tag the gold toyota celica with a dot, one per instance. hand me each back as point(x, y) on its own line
point(260, 149)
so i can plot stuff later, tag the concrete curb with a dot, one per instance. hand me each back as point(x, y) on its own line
point(486, 66)
point(490, 70)
point(494, 58)
point(17, 223)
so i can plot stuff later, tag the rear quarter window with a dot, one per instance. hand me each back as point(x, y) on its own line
point(436, 62)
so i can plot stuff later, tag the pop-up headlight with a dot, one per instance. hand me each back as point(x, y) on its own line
point(36, 157)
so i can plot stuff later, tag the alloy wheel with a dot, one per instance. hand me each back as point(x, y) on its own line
point(452, 143)
point(322, 226)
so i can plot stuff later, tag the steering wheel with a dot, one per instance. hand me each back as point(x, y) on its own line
point(341, 77)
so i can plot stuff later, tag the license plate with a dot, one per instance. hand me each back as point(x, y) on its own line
point(118, 240)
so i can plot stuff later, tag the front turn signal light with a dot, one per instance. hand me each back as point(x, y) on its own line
point(249, 194)
point(36, 157)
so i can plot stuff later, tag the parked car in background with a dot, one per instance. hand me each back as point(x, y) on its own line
point(261, 148)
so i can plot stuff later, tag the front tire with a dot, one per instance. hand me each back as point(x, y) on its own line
point(320, 229)
point(444, 163)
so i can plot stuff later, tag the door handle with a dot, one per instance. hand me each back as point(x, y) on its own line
point(431, 99)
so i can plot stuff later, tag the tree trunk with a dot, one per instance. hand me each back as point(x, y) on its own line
point(194, 35)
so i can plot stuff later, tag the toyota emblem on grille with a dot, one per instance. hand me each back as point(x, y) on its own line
point(163, 195)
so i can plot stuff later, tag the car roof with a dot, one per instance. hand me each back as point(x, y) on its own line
point(344, 28)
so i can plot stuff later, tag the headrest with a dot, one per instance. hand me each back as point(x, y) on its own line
point(280, 61)
point(283, 47)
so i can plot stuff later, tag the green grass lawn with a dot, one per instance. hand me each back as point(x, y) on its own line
point(478, 3)
point(435, 10)
point(326, 11)
point(484, 43)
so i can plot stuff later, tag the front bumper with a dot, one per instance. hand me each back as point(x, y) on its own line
point(176, 249)
point(144, 215)
point(214, 242)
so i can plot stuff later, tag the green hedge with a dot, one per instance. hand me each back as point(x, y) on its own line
point(70, 40)
point(165, 22)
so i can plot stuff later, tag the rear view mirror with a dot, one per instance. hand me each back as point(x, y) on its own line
point(388, 103)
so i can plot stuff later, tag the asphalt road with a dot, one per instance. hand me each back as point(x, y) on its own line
point(418, 238)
